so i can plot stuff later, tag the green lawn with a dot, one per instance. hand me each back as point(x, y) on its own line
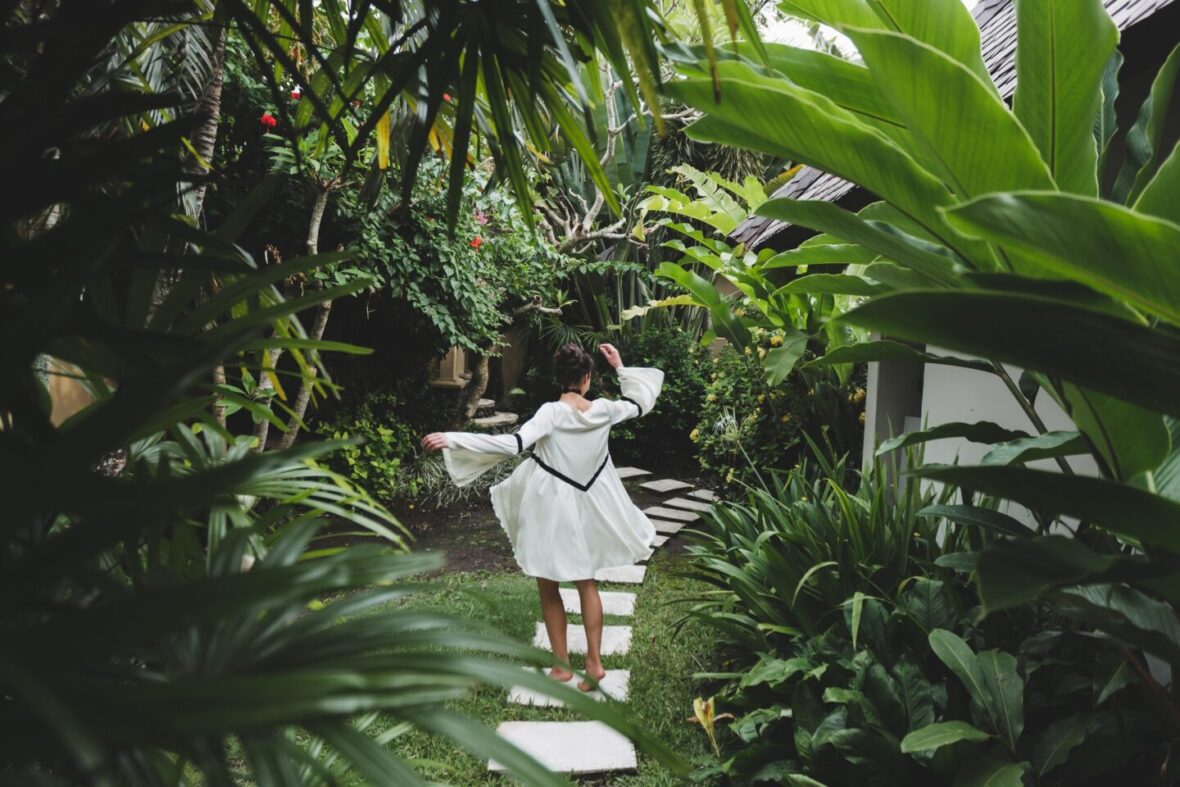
point(661, 667)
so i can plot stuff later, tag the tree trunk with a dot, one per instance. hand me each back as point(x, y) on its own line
point(323, 311)
point(205, 137)
point(475, 389)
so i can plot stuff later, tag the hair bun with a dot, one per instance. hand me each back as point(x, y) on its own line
point(570, 364)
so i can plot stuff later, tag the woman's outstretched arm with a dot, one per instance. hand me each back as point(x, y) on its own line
point(469, 455)
point(640, 387)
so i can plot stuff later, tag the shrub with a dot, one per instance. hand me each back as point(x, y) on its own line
point(384, 445)
point(747, 425)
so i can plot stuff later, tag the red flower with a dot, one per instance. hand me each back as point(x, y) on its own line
point(268, 120)
point(447, 97)
point(476, 242)
point(296, 93)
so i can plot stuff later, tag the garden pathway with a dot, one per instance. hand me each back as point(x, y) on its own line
point(590, 746)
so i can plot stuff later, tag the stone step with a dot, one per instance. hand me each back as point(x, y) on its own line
point(614, 602)
point(631, 472)
point(659, 540)
point(570, 746)
point(498, 420)
point(665, 485)
point(671, 513)
point(485, 407)
point(703, 494)
point(668, 528)
point(616, 640)
point(614, 685)
point(625, 575)
point(683, 502)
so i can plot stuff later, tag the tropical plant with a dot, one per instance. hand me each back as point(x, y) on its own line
point(997, 236)
point(848, 614)
point(162, 606)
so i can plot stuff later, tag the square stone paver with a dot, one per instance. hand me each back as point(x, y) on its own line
point(659, 540)
point(614, 602)
point(627, 575)
point(614, 685)
point(703, 494)
point(665, 485)
point(631, 472)
point(668, 528)
point(616, 640)
point(671, 513)
point(569, 746)
point(684, 502)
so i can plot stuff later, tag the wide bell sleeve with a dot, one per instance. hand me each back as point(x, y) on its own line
point(640, 387)
point(469, 455)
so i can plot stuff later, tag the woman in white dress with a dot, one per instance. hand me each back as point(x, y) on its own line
point(565, 509)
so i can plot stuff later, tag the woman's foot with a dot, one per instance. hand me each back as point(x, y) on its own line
point(560, 675)
point(596, 672)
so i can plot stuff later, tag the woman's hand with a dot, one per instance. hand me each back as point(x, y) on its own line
point(435, 441)
point(611, 355)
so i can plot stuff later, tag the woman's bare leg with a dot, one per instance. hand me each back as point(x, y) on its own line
point(553, 613)
point(592, 621)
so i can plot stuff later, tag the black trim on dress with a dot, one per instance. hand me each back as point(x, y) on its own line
point(558, 474)
point(519, 442)
point(632, 401)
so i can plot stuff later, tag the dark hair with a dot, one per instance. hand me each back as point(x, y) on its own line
point(570, 364)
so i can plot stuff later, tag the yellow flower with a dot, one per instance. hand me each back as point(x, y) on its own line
point(748, 351)
point(711, 397)
point(715, 359)
point(776, 340)
point(761, 353)
point(761, 398)
point(786, 418)
point(694, 435)
point(729, 476)
point(862, 418)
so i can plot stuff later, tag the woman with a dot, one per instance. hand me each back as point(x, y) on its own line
point(565, 511)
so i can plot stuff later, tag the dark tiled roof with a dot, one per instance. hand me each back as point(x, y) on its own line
point(997, 29)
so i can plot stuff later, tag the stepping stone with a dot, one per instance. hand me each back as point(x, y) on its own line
point(498, 420)
point(626, 575)
point(668, 528)
point(613, 602)
point(614, 685)
point(681, 502)
point(631, 472)
point(703, 494)
point(659, 540)
point(665, 485)
point(616, 640)
point(569, 746)
point(671, 513)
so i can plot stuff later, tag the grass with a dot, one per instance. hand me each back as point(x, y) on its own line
point(661, 690)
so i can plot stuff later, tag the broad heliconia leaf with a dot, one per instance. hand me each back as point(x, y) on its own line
point(826, 254)
point(832, 284)
point(935, 736)
point(1113, 249)
point(978, 516)
point(1159, 196)
point(1150, 139)
point(750, 115)
point(1129, 439)
point(1130, 615)
point(1013, 573)
point(947, 27)
point(886, 350)
point(780, 361)
point(926, 259)
point(1062, 51)
point(1106, 124)
point(1004, 692)
point(1052, 747)
point(1126, 510)
point(975, 431)
point(1049, 445)
point(1127, 361)
point(985, 770)
point(724, 321)
point(1167, 475)
point(977, 149)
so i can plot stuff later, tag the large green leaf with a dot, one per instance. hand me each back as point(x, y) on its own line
point(724, 321)
point(750, 115)
point(1129, 511)
point(1050, 445)
point(1159, 196)
point(887, 350)
point(935, 736)
point(960, 659)
point(924, 258)
point(1167, 475)
point(1113, 356)
point(978, 516)
point(832, 284)
point(975, 431)
point(1111, 248)
point(1004, 693)
point(1062, 50)
point(977, 149)
point(1130, 615)
point(1053, 745)
point(781, 360)
point(1147, 141)
point(987, 771)
point(1129, 439)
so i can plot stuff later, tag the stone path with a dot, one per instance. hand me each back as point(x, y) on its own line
point(591, 747)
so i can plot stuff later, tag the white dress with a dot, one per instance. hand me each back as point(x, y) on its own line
point(565, 509)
